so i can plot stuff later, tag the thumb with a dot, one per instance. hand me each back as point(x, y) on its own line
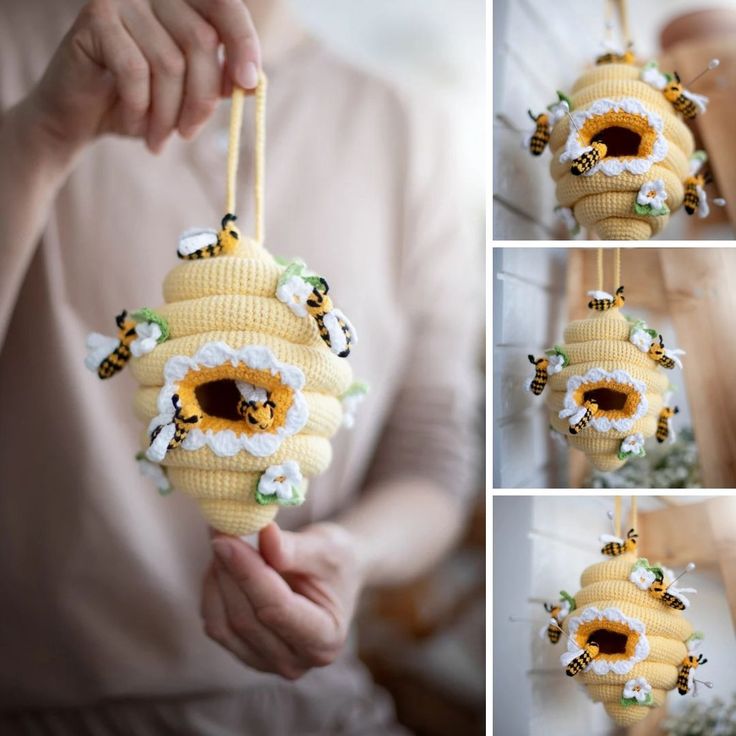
point(291, 551)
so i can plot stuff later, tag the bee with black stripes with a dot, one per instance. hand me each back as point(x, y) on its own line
point(334, 327)
point(602, 301)
point(198, 243)
point(537, 383)
point(687, 103)
point(109, 355)
point(558, 612)
point(259, 414)
point(578, 661)
point(615, 546)
point(617, 56)
point(664, 424)
point(686, 674)
point(579, 417)
point(169, 435)
point(660, 591)
point(589, 158)
point(540, 137)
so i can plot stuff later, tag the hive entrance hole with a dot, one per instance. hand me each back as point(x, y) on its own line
point(610, 642)
point(607, 398)
point(219, 399)
point(619, 141)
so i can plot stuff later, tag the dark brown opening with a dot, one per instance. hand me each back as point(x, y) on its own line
point(619, 141)
point(219, 399)
point(608, 399)
point(610, 642)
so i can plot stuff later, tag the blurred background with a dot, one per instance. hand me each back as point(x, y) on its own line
point(689, 294)
point(551, 541)
point(540, 47)
point(425, 642)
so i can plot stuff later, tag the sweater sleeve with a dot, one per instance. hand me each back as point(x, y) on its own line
point(435, 426)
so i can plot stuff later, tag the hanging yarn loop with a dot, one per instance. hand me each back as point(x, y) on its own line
point(233, 152)
point(616, 269)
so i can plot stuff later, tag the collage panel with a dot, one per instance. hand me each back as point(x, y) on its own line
point(614, 616)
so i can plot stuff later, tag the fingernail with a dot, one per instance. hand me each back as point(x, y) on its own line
point(222, 550)
point(249, 77)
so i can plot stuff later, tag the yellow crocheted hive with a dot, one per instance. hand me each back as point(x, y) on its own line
point(646, 141)
point(639, 637)
point(604, 365)
point(230, 334)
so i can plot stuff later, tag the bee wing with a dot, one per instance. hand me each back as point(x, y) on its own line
point(98, 348)
point(543, 631)
point(195, 239)
point(700, 101)
point(528, 383)
point(250, 393)
point(600, 295)
point(703, 208)
point(691, 682)
point(567, 657)
point(606, 538)
point(353, 332)
point(527, 139)
point(673, 354)
point(671, 434)
point(578, 415)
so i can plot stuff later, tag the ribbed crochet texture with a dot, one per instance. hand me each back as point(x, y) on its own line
point(607, 585)
point(232, 299)
point(602, 341)
point(606, 203)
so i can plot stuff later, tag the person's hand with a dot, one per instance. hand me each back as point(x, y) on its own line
point(288, 608)
point(144, 68)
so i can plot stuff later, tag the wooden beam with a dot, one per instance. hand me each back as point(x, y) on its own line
point(722, 515)
point(700, 291)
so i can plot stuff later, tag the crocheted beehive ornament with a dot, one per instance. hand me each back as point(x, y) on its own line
point(627, 639)
point(243, 391)
point(646, 156)
point(606, 383)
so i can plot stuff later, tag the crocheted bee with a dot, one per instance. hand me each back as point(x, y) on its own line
point(207, 243)
point(169, 435)
point(537, 383)
point(577, 661)
point(666, 358)
point(540, 137)
point(109, 355)
point(589, 158)
point(686, 674)
point(602, 301)
point(334, 327)
point(615, 546)
point(664, 424)
point(685, 102)
point(255, 406)
point(579, 417)
point(617, 56)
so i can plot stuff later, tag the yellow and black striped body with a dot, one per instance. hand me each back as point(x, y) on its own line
point(258, 414)
point(118, 358)
point(554, 634)
point(691, 201)
point(663, 423)
point(687, 108)
point(627, 57)
point(590, 652)
point(324, 333)
point(540, 138)
point(591, 408)
point(603, 305)
point(614, 549)
point(553, 630)
point(540, 374)
point(182, 425)
point(657, 353)
point(691, 662)
point(658, 590)
point(319, 305)
point(227, 241)
point(586, 161)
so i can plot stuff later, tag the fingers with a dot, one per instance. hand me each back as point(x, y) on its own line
point(200, 43)
point(307, 628)
point(243, 621)
point(113, 48)
point(233, 23)
point(217, 626)
point(167, 65)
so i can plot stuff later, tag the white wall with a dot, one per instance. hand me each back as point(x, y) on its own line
point(528, 308)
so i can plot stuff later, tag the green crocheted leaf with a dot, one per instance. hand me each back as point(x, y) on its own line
point(145, 314)
point(646, 210)
point(357, 388)
point(557, 350)
point(648, 701)
point(561, 97)
point(296, 498)
point(567, 597)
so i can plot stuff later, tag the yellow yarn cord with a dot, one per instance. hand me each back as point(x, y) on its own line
point(233, 152)
point(600, 269)
point(622, 9)
point(617, 516)
point(617, 270)
point(633, 512)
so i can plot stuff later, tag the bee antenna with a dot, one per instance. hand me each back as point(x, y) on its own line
point(532, 115)
point(548, 607)
point(229, 217)
point(660, 341)
point(531, 360)
point(677, 78)
point(677, 410)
